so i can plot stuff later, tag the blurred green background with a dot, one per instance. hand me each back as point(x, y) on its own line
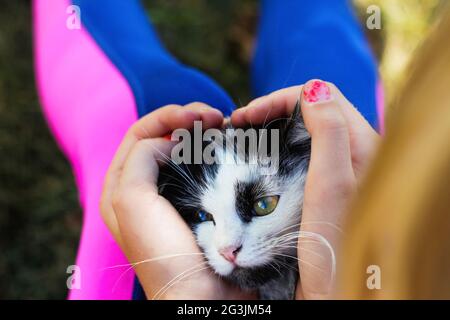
point(40, 218)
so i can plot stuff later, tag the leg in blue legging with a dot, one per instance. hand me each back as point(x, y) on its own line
point(123, 31)
point(300, 40)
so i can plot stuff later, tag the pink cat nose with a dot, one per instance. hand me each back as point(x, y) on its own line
point(230, 252)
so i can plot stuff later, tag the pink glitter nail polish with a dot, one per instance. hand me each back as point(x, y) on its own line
point(316, 91)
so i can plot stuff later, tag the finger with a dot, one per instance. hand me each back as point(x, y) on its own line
point(163, 121)
point(157, 123)
point(330, 176)
point(264, 109)
point(329, 183)
point(363, 138)
point(355, 119)
point(141, 169)
point(330, 143)
point(281, 103)
point(210, 117)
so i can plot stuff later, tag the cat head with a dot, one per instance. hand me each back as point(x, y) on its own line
point(242, 217)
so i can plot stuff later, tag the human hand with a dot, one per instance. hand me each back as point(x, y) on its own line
point(342, 144)
point(152, 234)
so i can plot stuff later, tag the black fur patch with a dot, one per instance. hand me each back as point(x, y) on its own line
point(244, 200)
point(252, 278)
point(182, 189)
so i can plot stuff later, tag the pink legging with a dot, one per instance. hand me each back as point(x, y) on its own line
point(89, 107)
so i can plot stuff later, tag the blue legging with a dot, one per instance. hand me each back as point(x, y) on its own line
point(297, 40)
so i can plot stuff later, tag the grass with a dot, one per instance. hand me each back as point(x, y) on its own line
point(40, 218)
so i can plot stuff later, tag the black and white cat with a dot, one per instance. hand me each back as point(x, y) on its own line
point(245, 221)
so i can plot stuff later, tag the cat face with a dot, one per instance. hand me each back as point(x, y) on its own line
point(242, 218)
point(247, 216)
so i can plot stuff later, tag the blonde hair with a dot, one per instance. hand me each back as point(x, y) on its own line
point(401, 219)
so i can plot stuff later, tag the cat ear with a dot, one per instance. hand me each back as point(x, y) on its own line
point(294, 131)
point(296, 113)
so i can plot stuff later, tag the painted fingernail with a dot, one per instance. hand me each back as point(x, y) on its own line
point(316, 91)
point(168, 137)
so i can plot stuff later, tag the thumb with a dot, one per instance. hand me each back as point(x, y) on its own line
point(330, 143)
point(329, 183)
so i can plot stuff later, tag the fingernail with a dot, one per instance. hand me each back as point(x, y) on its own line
point(168, 137)
point(316, 91)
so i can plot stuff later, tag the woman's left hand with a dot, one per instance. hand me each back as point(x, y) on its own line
point(342, 145)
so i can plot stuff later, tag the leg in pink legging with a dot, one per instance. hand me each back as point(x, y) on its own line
point(94, 83)
point(88, 110)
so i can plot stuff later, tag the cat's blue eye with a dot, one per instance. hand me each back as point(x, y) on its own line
point(204, 216)
point(265, 205)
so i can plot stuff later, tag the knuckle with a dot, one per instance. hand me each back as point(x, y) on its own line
point(332, 86)
point(170, 107)
point(138, 127)
point(345, 187)
point(347, 184)
point(135, 127)
point(332, 122)
point(339, 188)
point(141, 146)
point(197, 105)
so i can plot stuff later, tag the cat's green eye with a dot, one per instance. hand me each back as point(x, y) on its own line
point(266, 205)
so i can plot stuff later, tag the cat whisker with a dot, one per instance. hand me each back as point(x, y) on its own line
point(287, 228)
point(177, 168)
point(286, 265)
point(304, 249)
point(325, 223)
point(267, 115)
point(295, 239)
point(292, 235)
point(285, 237)
point(295, 242)
point(310, 222)
point(288, 234)
point(321, 239)
point(277, 119)
point(154, 259)
point(185, 274)
point(302, 261)
point(292, 242)
point(132, 265)
point(176, 186)
point(277, 270)
point(183, 174)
